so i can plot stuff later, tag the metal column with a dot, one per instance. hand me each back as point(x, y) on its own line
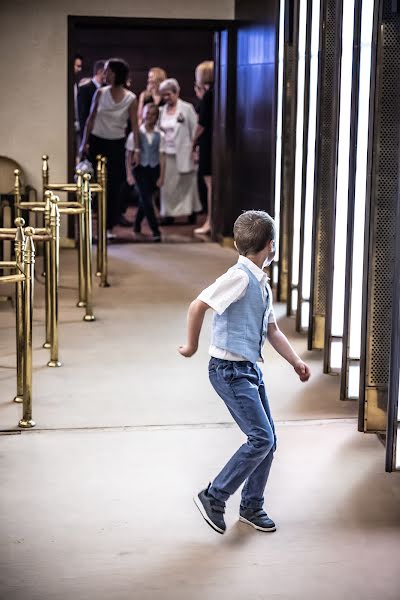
point(325, 168)
point(380, 250)
point(288, 145)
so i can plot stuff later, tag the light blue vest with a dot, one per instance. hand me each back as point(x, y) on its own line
point(242, 328)
point(149, 153)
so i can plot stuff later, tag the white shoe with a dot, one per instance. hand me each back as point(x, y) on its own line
point(111, 235)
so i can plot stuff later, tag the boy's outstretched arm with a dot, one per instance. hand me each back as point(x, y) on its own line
point(280, 343)
point(195, 319)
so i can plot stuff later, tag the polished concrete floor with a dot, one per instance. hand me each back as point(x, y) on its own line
point(96, 501)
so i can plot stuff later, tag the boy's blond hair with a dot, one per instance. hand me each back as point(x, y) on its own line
point(252, 231)
point(151, 106)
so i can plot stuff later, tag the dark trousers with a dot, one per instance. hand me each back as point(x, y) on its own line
point(146, 178)
point(114, 151)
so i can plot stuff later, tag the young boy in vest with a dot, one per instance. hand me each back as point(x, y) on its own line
point(243, 319)
point(149, 173)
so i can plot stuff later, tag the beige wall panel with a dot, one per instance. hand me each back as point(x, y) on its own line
point(33, 51)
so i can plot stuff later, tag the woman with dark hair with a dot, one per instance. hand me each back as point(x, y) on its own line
point(105, 132)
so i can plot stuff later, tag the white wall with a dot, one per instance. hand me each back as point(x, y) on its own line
point(33, 58)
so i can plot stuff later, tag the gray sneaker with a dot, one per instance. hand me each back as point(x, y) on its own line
point(257, 518)
point(211, 509)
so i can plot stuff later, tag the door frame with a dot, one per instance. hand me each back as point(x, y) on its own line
point(76, 22)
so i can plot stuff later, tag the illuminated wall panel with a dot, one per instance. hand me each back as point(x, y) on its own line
point(279, 138)
point(325, 168)
point(334, 329)
point(309, 158)
point(352, 338)
point(298, 175)
point(289, 115)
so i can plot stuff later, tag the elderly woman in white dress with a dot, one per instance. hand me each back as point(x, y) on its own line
point(178, 121)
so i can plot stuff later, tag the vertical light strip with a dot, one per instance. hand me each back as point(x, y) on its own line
point(342, 187)
point(309, 193)
point(398, 449)
point(360, 199)
point(279, 134)
point(397, 434)
point(299, 152)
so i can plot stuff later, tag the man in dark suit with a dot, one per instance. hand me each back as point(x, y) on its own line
point(86, 92)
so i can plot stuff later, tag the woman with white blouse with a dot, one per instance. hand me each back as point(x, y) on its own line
point(105, 131)
point(178, 121)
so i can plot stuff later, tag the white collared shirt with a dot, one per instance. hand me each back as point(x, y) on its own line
point(96, 83)
point(230, 288)
point(130, 142)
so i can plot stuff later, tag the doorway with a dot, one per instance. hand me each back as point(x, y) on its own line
point(175, 45)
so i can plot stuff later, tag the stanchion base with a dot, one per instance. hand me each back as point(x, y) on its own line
point(98, 274)
point(81, 304)
point(46, 345)
point(26, 423)
point(89, 318)
point(54, 363)
point(104, 284)
point(18, 399)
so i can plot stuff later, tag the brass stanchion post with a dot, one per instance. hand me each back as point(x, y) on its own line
point(45, 183)
point(81, 244)
point(46, 217)
point(54, 277)
point(29, 268)
point(45, 174)
point(103, 232)
point(19, 309)
point(17, 192)
point(100, 217)
point(89, 316)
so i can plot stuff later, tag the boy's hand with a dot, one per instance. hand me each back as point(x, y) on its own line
point(187, 350)
point(160, 182)
point(302, 370)
point(130, 179)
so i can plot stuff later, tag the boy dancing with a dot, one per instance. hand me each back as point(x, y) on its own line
point(243, 319)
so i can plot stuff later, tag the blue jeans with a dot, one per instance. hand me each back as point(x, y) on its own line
point(241, 387)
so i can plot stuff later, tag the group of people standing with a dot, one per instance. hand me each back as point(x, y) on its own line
point(168, 145)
